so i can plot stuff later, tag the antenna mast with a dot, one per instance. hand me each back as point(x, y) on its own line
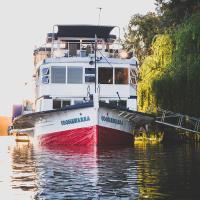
point(99, 15)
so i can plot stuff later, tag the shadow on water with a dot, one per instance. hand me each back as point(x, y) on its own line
point(141, 172)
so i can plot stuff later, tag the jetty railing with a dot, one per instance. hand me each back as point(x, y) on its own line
point(179, 121)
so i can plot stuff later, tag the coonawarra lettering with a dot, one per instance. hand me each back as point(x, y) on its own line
point(75, 120)
point(111, 120)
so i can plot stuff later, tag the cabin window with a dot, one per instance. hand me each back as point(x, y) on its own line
point(89, 70)
point(65, 103)
point(89, 79)
point(75, 75)
point(121, 76)
point(58, 74)
point(105, 75)
point(89, 75)
point(45, 79)
point(56, 104)
point(45, 71)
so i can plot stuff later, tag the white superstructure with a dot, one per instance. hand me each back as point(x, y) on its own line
point(66, 75)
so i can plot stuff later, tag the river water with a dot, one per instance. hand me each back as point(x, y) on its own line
point(140, 172)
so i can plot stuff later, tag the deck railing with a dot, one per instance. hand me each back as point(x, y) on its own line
point(179, 121)
point(76, 49)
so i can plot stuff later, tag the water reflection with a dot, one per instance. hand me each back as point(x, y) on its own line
point(149, 173)
point(141, 172)
point(168, 171)
point(17, 170)
point(24, 174)
point(66, 172)
point(86, 173)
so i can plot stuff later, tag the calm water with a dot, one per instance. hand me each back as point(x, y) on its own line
point(141, 172)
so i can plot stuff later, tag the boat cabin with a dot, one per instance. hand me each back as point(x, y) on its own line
point(67, 72)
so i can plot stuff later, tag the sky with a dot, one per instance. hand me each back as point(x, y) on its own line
point(25, 23)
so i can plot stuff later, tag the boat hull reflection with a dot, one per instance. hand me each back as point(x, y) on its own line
point(87, 171)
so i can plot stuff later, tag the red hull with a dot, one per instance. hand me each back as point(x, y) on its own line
point(94, 135)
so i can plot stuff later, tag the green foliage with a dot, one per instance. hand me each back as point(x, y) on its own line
point(143, 28)
point(179, 88)
point(175, 12)
point(140, 33)
point(167, 44)
point(153, 67)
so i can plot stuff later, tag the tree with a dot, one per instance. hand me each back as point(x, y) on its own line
point(178, 89)
point(140, 33)
point(174, 12)
point(167, 44)
point(153, 67)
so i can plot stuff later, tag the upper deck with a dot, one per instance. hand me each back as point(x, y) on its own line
point(67, 73)
point(79, 41)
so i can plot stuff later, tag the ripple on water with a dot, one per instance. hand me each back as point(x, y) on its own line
point(150, 172)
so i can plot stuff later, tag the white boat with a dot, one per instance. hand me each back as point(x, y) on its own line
point(85, 90)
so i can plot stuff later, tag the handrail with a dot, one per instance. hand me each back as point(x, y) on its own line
point(179, 121)
point(83, 49)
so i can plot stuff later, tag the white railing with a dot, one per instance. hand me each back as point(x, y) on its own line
point(76, 49)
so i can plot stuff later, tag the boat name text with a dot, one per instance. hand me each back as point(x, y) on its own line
point(75, 120)
point(111, 120)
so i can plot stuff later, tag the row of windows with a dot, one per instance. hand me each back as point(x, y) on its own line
point(74, 75)
point(105, 75)
point(57, 104)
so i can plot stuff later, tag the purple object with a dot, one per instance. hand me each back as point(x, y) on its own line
point(17, 111)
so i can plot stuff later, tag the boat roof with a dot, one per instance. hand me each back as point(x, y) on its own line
point(87, 31)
